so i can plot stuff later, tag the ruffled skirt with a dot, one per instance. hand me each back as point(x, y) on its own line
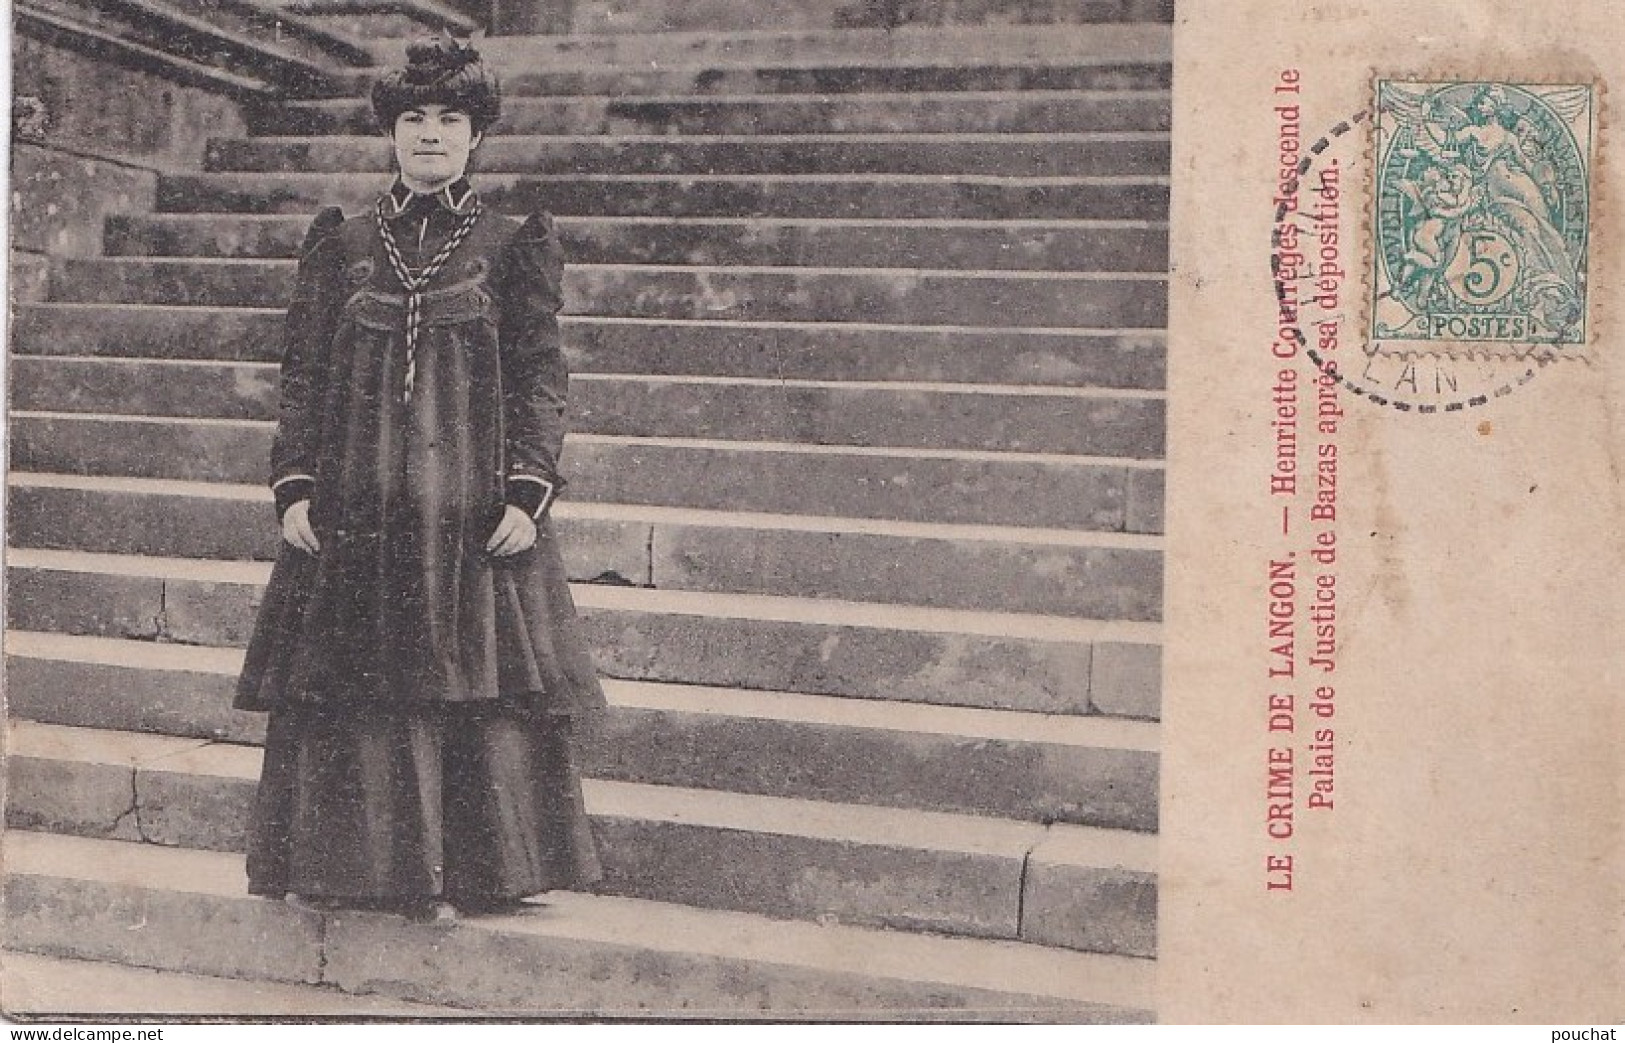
point(398, 619)
point(470, 804)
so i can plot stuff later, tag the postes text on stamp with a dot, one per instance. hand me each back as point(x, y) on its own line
point(1481, 218)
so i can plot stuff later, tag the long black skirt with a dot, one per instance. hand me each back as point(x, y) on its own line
point(467, 803)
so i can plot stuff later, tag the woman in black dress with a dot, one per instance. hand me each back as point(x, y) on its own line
point(417, 648)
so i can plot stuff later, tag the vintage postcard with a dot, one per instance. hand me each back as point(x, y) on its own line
point(1392, 775)
point(618, 510)
point(1084, 511)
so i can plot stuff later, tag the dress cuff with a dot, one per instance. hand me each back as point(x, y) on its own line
point(532, 494)
point(290, 490)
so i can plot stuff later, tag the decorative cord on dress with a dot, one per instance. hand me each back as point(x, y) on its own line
point(415, 282)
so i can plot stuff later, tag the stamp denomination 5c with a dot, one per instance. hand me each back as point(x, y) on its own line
point(1481, 217)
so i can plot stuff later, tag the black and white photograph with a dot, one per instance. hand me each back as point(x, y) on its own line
point(586, 509)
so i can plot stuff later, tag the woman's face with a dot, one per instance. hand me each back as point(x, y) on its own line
point(432, 145)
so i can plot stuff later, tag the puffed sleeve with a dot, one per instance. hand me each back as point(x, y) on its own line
point(312, 316)
point(535, 379)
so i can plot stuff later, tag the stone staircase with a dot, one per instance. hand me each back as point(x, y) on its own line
point(245, 48)
point(864, 512)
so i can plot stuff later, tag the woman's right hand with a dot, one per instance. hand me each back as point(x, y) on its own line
point(296, 528)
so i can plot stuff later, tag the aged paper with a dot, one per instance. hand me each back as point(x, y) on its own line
point(1395, 638)
point(1395, 652)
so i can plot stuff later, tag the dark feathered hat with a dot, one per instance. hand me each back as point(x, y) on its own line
point(442, 71)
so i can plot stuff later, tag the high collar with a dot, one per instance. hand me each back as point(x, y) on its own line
point(456, 198)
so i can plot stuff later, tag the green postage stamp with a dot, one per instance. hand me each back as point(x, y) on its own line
point(1482, 208)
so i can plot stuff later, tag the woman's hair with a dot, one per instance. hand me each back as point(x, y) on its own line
point(441, 71)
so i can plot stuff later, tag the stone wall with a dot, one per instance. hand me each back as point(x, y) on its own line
point(89, 139)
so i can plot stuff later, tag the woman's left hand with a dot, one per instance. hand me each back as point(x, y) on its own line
point(516, 532)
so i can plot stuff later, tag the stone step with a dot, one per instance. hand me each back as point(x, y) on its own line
point(374, 20)
point(977, 418)
point(926, 485)
point(811, 351)
point(938, 656)
point(676, 347)
point(986, 73)
point(63, 25)
point(341, 54)
point(1104, 576)
point(200, 520)
point(49, 988)
point(827, 130)
point(765, 478)
point(1043, 767)
point(969, 197)
point(935, 297)
point(941, 47)
point(904, 114)
point(237, 46)
point(1095, 494)
point(583, 954)
point(1079, 246)
point(800, 859)
point(1012, 155)
point(658, 16)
